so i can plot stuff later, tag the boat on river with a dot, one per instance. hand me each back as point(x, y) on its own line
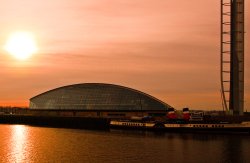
point(189, 123)
point(179, 127)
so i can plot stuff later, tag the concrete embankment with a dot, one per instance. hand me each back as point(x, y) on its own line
point(56, 121)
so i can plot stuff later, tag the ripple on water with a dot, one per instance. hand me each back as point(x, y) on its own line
point(20, 143)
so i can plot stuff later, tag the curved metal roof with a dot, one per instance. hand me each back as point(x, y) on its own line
point(96, 96)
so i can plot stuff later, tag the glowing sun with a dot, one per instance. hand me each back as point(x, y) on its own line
point(21, 45)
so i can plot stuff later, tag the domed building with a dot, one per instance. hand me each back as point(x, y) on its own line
point(98, 99)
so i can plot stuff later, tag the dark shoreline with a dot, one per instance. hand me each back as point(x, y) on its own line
point(97, 123)
point(57, 121)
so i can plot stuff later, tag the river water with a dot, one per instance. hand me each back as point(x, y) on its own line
point(21, 143)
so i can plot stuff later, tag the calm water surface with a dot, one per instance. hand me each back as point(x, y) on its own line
point(20, 143)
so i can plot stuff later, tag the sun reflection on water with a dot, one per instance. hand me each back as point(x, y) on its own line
point(18, 144)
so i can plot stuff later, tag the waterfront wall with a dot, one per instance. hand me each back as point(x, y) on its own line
point(56, 121)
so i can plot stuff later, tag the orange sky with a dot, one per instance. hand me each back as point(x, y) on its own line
point(168, 49)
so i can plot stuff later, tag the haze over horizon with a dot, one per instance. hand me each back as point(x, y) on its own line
point(168, 49)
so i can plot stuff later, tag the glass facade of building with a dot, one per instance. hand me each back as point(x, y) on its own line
point(96, 96)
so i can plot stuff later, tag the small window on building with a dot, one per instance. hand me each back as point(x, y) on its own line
point(116, 114)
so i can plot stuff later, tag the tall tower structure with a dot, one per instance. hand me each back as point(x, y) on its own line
point(232, 55)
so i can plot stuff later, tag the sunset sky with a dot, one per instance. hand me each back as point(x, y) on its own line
point(166, 48)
